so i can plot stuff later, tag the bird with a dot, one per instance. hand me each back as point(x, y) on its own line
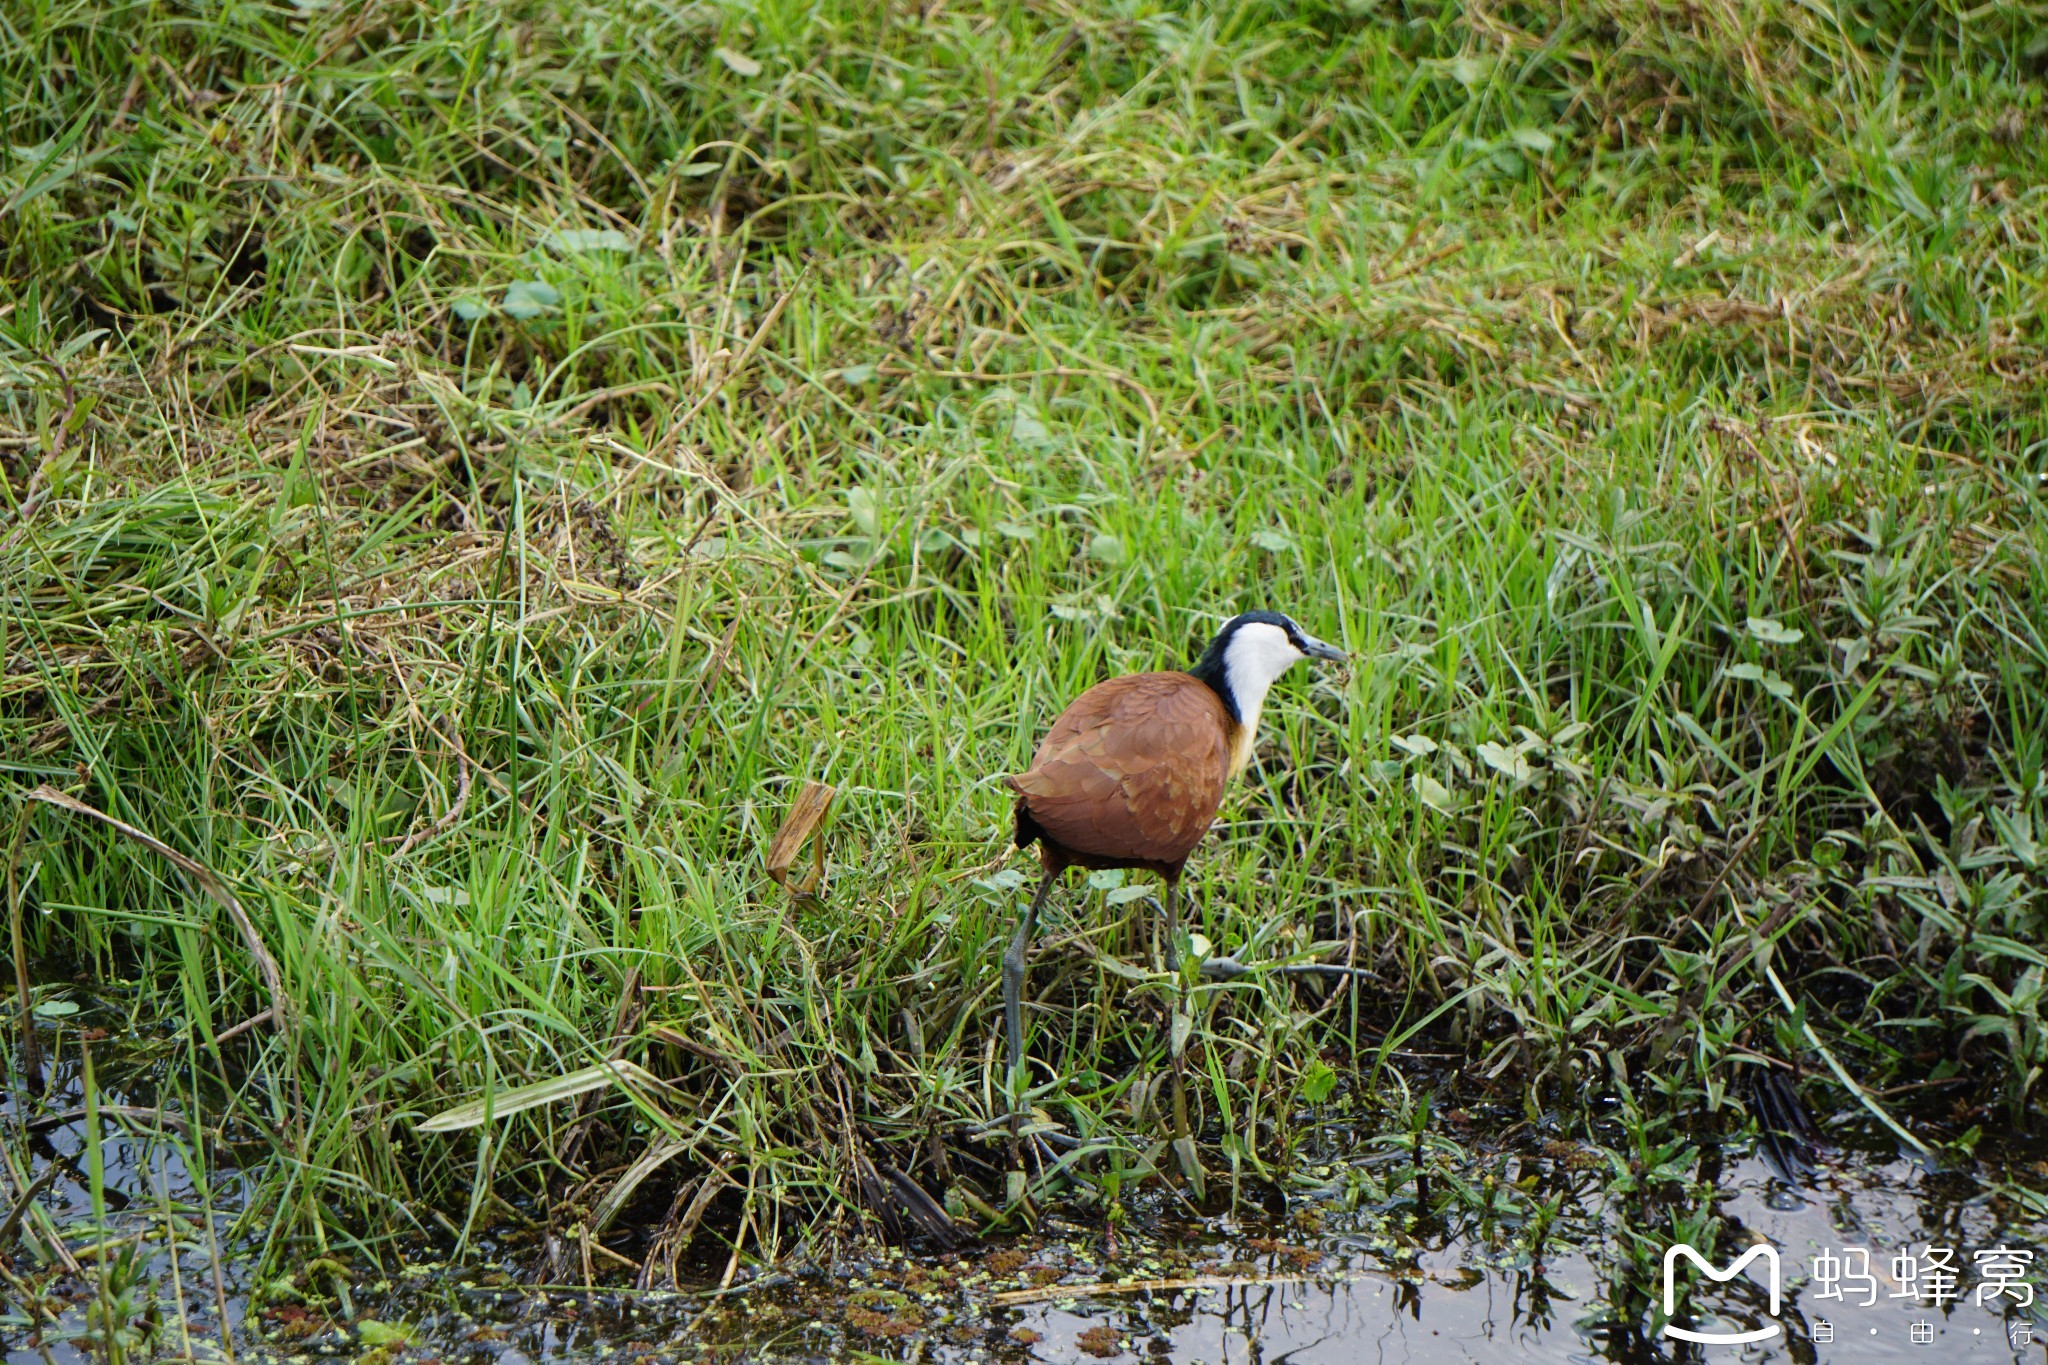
point(1131, 775)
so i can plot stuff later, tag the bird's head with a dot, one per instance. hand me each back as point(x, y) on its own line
point(1250, 652)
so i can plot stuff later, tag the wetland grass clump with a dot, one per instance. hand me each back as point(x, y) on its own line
point(468, 467)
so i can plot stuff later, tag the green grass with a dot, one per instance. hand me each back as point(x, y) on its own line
point(466, 464)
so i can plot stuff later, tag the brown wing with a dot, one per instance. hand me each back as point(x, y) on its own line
point(1134, 769)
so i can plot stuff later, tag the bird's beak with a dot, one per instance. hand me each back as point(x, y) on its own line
point(1316, 649)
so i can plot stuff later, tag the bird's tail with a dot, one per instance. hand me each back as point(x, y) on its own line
point(1028, 832)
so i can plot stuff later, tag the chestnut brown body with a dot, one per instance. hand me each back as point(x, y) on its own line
point(1130, 775)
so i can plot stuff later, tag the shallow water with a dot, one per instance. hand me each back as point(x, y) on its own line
point(1310, 1283)
point(1454, 1302)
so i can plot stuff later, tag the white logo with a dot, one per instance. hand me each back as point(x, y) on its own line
point(1770, 1258)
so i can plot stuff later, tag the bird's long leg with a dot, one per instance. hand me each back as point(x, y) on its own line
point(1013, 993)
point(1172, 925)
point(1181, 1025)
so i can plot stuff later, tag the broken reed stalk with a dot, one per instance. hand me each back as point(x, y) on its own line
point(806, 813)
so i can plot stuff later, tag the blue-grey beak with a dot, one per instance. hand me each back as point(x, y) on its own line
point(1316, 649)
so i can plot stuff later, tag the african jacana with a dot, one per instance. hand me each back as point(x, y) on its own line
point(1132, 772)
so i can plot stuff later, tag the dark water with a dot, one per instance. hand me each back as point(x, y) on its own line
point(1310, 1282)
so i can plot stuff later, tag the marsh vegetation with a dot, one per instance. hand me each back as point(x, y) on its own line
point(467, 466)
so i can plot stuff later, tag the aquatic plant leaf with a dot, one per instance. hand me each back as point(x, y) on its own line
point(375, 1333)
point(1510, 763)
point(576, 241)
point(739, 63)
point(529, 298)
point(551, 1091)
point(1434, 794)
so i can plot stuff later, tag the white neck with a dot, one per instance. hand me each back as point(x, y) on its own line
point(1253, 660)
